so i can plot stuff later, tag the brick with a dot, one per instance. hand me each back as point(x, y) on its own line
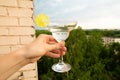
point(26, 39)
point(31, 79)
point(31, 66)
point(9, 40)
point(3, 11)
point(15, 47)
point(29, 74)
point(20, 12)
point(11, 3)
point(26, 22)
point(21, 31)
point(8, 21)
point(3, 31)
point(14, 76)
point(4, 49)
point(25, 3)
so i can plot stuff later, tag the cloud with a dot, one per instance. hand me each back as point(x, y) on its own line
point(73, 9)
point(54, 3)
point(69, 10)
point(89, 13)
point(108, 22)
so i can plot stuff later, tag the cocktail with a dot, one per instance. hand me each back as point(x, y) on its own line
point(60, 31)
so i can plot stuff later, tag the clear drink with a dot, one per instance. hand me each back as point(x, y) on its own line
point(61, 33)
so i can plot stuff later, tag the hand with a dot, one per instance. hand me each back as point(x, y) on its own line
point(44, 45)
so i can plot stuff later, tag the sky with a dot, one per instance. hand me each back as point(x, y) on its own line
point(90, 14)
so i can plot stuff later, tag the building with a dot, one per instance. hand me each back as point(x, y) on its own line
point(17, 30)
point(108, 40)
point(117, 40)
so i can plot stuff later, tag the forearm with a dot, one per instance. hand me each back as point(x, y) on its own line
point(12, 62)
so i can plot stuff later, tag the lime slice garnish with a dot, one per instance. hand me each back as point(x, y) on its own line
point(42, 20)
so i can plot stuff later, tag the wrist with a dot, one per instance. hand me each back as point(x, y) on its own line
point(20, 54)
point(28, 53)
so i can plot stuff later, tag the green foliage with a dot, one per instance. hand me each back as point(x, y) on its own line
point(108, 33)
point(42, 32)
point(89, 58)
point(113, 66)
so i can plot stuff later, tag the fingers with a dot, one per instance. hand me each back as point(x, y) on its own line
point(48, 37)
point(55, 46)
point(56, 53)
point(64, 49)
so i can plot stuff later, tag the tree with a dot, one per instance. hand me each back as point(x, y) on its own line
point(89, 58)
point(113, 66)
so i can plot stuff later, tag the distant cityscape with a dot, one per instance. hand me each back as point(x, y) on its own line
point(108, 40)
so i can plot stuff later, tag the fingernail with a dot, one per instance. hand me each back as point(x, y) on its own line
point(63, 53)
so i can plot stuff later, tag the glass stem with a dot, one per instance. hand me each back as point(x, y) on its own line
point(61, 59)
